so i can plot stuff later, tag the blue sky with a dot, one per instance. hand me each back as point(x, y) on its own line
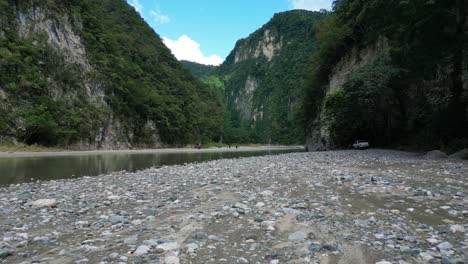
point(205, 31)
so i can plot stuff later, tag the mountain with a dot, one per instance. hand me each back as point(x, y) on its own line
point(263, 80)
point(92, 74)
point(391, 72)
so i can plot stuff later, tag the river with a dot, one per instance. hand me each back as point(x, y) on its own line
point(27, 167)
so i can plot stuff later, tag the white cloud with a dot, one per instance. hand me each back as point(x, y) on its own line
point(186, 48)
point(312, 5)
point(137, 5)
point(159, 18)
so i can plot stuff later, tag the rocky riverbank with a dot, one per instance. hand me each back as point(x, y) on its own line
point(325, 207)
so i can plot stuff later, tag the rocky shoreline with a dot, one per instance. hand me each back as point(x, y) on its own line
point(370, 206)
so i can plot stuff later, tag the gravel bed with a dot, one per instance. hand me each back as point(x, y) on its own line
point(372, 206)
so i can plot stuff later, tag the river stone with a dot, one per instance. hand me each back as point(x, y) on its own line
point(297, 236)
point(291, 211)
point(200, 235)
point(41, 203)
point(457, 228)
point(142, 250)
point(131, 240)
point(168, 246)
point(5, 253)
point(444, 246)
point(171, 260)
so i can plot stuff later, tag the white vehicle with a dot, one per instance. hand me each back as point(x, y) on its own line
point(361, 144)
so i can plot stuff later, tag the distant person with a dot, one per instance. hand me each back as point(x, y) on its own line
point(237, 147)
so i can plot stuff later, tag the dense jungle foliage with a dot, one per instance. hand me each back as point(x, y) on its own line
point(276, 115)
point(414, 94)
point(45, 97)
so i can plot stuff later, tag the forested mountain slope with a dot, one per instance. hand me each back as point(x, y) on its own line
point(263, 80)
point(93, 74)
point(390, 71)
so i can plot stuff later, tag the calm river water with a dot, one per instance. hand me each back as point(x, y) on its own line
point(26, 169)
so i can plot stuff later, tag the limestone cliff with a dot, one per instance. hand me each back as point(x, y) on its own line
point(75, 74)
point(392, 73)
point(263, 78)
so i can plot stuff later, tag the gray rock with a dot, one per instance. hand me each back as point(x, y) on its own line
point(292, 211)
point(5, 253)
point(200, 235)
point(314, 247)
point(142, 250)
point(444, 246)
point(168, 246)
point(131, 240)
point(297, 236)
point(329, 247)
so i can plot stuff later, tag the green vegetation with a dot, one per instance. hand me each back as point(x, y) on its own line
point(199, 70)
point(415, 96)
point(274, 112)
point(46, 98)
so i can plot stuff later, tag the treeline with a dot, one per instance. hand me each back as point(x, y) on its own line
point(413, 93)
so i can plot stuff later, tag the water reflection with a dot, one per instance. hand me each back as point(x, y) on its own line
point(17, 170)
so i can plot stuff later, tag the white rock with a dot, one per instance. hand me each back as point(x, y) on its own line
point(444, 246)
point(142, 250)
point(44, 203)
point(192, 247)
point(242, 260)
point(168, 246)
point(291, 211)
point(113, 197)
point(457, 228)
point(171, 260)
point(426, 256)
point(259, 205)
point(266, 193)
point(383, 262)
point(379, 236)
point(241, 206)
point(432, 241)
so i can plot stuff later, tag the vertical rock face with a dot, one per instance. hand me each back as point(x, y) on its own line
point(318, 135)
point(263, 77)
point(244, 102)
point(59, 31)
point(76, 74)
point(397, 79)
point(61, 36)
point(267, 47)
